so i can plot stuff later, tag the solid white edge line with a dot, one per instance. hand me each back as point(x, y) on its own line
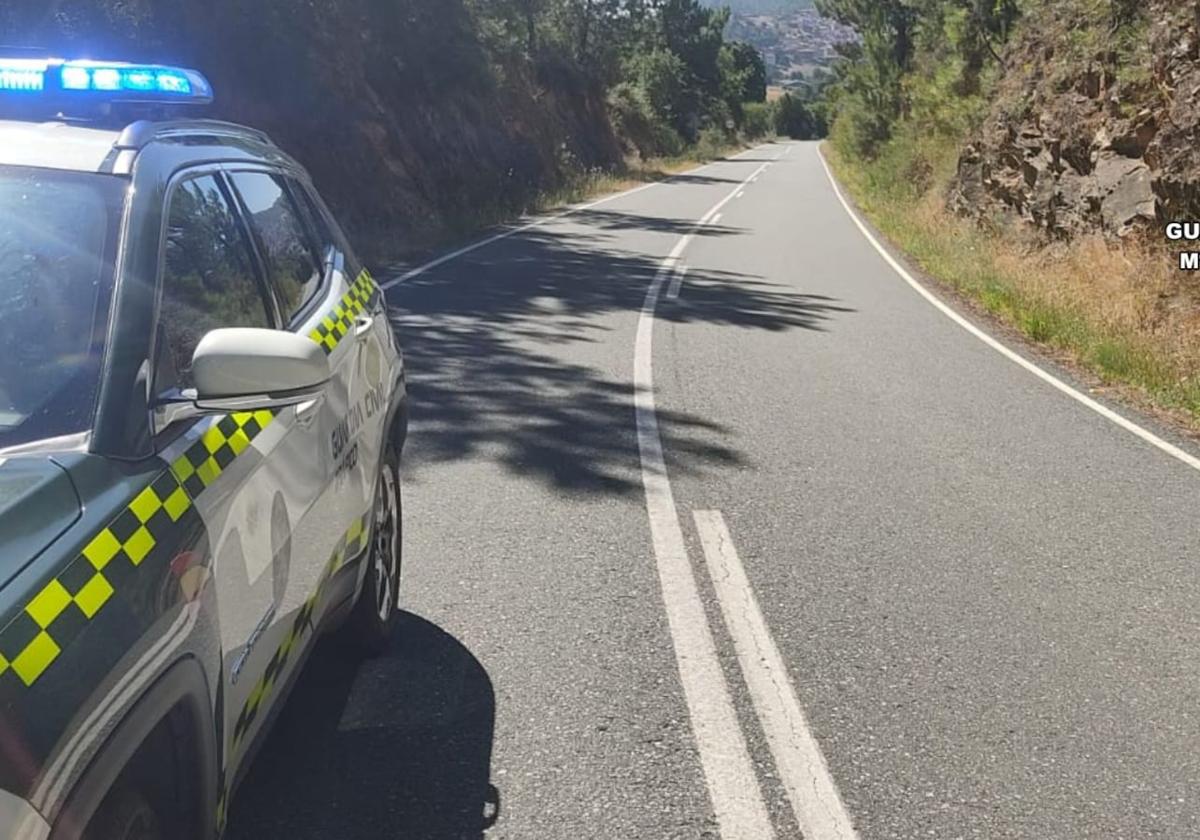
point(1103, 410)
point(733, 786)
point(810, 787)
point(543, 220)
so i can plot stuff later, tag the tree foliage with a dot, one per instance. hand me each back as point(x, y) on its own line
point(908, 50)
point(439, 109)
point(669, 69)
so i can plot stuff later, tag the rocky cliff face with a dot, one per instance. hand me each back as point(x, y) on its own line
point(1090, 133)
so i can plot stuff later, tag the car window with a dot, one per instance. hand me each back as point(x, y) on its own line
point(209, 280)
point(294, 264)
point(58, 235)
point(327, 240)
point(320, 210)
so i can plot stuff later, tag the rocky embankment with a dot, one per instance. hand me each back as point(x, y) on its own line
point(1104, 142)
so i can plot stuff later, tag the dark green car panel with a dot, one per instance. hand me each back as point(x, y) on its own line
point(38, 503)
point(77, 618)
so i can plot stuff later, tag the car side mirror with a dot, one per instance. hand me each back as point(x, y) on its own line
point(246, 369)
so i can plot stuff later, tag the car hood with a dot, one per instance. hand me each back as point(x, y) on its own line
point(38, 503)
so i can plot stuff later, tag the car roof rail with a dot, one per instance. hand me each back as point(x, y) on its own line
point(139, 134)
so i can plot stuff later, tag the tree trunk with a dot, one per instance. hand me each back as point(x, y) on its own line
point(585, 30)
point(530, 29)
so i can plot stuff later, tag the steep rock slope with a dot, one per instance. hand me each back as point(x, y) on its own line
point(1095, 125)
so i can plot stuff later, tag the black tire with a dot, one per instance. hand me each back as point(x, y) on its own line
point(125, 814)
point(375, 615)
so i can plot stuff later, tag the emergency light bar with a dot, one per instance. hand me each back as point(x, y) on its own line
point(38, 79)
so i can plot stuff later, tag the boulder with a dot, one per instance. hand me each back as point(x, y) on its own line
point(1125, 191)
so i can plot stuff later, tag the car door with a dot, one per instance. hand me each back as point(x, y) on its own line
point(367, 355)
point(256, 477)
point(324, 516)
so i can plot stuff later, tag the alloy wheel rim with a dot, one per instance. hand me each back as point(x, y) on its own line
point(387, 541)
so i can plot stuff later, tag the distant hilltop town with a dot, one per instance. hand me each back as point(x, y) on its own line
point(794, 43)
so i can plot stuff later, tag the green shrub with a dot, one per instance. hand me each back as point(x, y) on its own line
point(796, 120)
point(636, 122)
point(661, 77)
point(859, 130)
point(712, 142)
point(758, 120)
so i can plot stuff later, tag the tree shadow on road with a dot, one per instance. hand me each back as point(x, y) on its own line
point(395, 747)
point(486, 335)
point(691, 178)
point(615, 220)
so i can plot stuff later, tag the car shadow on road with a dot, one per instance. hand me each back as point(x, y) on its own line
point(394, 747)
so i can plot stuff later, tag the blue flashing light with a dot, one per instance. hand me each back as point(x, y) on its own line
point(18, 75)
point(103, 78)
point(103, 81)
point(172, 82)
point(140, 80)
point(76, 78)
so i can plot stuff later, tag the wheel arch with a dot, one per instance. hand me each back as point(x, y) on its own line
point(396, 429)
point(178, 698)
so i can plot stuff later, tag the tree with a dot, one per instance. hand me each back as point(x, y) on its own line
point(510, 25)
point(695, 34)
point(988, 23)
point(661, 76)
point(743, 74)
point(794, 119)
point(870, 93)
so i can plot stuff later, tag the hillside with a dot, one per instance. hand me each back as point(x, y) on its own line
point(795, 43)
point(422, 119)
point(407, 129)
point(1091, 130)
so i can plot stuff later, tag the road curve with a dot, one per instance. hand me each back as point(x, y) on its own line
point(980, 592)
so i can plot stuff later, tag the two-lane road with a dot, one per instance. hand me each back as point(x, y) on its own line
point(716, 528)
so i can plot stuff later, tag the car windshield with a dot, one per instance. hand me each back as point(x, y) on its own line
point(58, 233)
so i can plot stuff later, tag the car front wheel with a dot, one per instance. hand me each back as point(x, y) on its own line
point(125, 815)
point(376, 612)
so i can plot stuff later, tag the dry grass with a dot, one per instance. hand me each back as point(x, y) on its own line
point(1121, 310)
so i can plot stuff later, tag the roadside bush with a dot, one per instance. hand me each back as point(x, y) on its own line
point(713, 142)
point(636, 122)
point(661, 79)
point(793, 118)
point(758, 120)
point(858, 130)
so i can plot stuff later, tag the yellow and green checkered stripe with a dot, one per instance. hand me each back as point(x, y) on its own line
point(349, 546)
point(207, 458)
point(336, 324)
point(37, 635)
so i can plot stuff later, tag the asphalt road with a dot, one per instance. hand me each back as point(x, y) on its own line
point(982, 593)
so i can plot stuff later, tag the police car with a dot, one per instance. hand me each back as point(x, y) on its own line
point(202, 409)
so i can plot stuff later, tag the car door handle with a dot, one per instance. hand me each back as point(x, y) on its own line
point(307, 412)
point(363, 324)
